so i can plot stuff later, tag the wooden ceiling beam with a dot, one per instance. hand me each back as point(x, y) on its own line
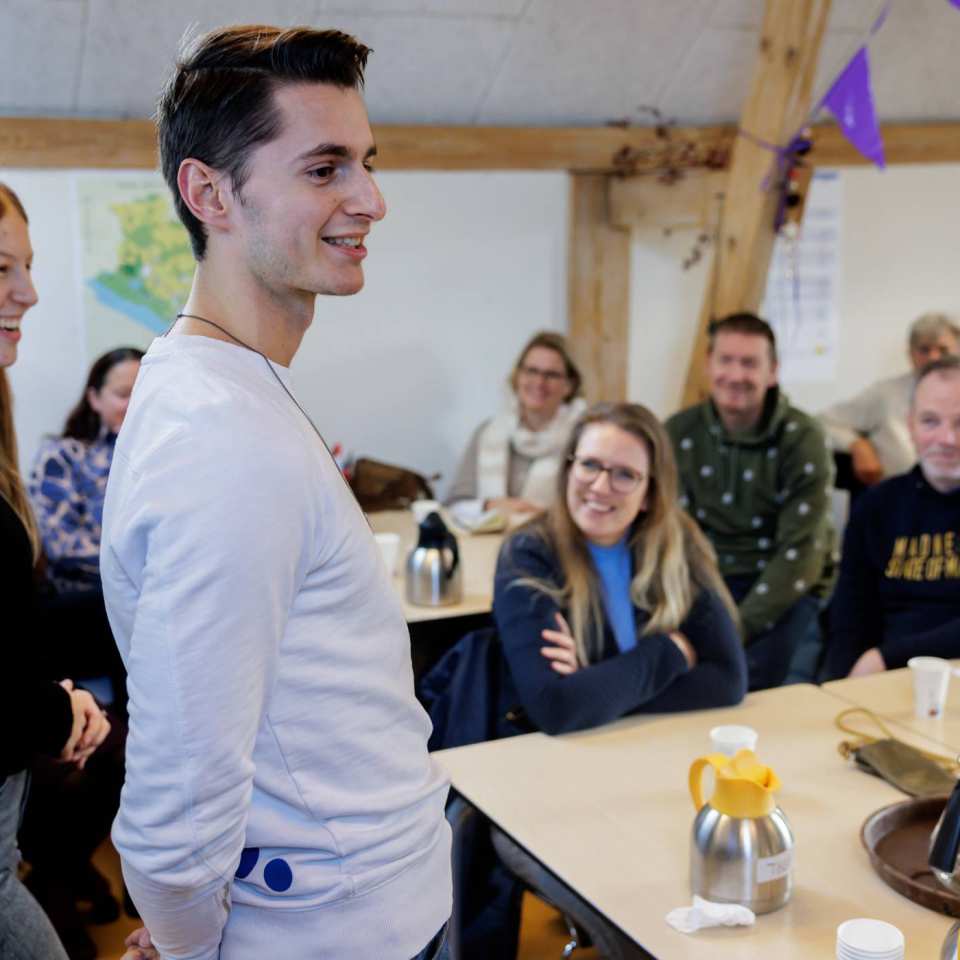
point(645, 202)
point(776, 105)
point(598, 289)
point(70, 143)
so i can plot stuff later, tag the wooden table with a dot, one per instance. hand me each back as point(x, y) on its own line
point(478, 554)
point(890, 696)
point(608, 812)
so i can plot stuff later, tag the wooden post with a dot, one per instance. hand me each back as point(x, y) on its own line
point(598, 290)
point(777, 104)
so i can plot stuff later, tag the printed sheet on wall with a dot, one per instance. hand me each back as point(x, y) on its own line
point(803, 286)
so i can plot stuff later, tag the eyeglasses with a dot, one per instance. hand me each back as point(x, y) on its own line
point(551, 376)
point(622, 479)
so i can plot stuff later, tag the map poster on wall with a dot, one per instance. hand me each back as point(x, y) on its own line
point(803, 287)
point(134, 259)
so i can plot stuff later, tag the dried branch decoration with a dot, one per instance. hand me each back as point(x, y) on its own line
point(672, 156)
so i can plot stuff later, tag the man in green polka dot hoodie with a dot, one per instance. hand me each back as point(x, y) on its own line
point(756, 475)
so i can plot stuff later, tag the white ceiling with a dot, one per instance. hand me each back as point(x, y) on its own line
point(530, 62)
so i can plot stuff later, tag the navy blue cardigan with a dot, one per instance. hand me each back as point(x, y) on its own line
point(651, 678)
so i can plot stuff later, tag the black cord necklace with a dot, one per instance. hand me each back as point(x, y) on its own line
point(277, 377)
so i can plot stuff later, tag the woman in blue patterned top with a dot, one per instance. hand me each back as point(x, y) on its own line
point(69, 477)
point(67, 488)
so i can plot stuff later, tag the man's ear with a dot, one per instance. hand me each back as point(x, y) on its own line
point(774, 374)
point(206, 193)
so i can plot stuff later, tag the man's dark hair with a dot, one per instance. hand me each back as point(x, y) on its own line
point(747, 323)
point(218, 104)
point(947, 364)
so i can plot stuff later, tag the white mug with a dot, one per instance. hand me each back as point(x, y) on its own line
point(389, 544)
point(732, 737)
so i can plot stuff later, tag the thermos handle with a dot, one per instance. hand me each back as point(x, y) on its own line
point(715, 760)
point(943, 853)
point(451, 541)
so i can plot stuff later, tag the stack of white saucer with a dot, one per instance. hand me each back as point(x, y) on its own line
point(869, 940)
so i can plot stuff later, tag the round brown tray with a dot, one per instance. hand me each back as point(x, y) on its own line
point(897, 839)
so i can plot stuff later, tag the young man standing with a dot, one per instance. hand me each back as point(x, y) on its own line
point(756, 475)
point(897, 595)
point(279, 798)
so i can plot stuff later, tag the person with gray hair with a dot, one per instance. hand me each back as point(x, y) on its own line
point(872, 426)
point(897, 594)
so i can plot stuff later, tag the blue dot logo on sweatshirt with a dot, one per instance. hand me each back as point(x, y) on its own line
point(248, 860)
point(278, 875)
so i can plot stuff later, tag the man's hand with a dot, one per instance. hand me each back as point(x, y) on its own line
point(866, 463)
point(562, 649)
point(869, 662)
point(139, 946)
point(90, 726)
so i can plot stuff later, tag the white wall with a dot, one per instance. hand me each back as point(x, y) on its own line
point(467, 265)
point(464, 268)
point(664, 310)
point(898, 260)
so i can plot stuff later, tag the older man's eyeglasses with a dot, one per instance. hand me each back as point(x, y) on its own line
point(551, 376)
point(622, 479)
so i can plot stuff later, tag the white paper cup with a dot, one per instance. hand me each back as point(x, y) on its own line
point(421, 508)
point(931, 678)
point(864, 939)
point(389, 544)
point(732, 737)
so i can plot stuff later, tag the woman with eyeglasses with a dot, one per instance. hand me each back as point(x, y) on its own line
point(67, 487)
point(611, 603)
point(511, 462)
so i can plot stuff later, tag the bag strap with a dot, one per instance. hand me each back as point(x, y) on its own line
point(846, 748)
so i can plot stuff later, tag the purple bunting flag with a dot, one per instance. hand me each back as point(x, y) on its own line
point(956, 3)
point(850, 100)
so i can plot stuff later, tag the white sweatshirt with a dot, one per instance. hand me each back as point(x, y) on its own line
point(879, 413)
point(271, 692)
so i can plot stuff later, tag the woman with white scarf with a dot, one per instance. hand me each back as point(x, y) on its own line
point(510, 465)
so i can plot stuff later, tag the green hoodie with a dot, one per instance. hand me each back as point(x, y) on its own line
point(763, 498)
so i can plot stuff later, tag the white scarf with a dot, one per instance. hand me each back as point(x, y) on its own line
point(505, 432)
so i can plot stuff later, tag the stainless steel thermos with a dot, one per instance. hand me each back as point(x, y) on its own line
point(741, 850)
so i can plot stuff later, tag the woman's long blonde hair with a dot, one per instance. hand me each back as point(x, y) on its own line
point(673, 560)
point(11, 484)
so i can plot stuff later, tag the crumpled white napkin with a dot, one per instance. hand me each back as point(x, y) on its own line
point(706, 913)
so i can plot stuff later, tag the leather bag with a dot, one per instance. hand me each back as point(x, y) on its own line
point(384, 486)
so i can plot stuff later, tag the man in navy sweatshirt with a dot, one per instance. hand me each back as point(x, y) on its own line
point(899, 590)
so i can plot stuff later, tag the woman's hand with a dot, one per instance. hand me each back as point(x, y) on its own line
point(510, 505)
point(869, 662)
point(562, 649)
point(686, 648)
point(90, 726)
point(140, 946)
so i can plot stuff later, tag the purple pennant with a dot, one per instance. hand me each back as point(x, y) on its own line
point(956, 3)
point(850, 100)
